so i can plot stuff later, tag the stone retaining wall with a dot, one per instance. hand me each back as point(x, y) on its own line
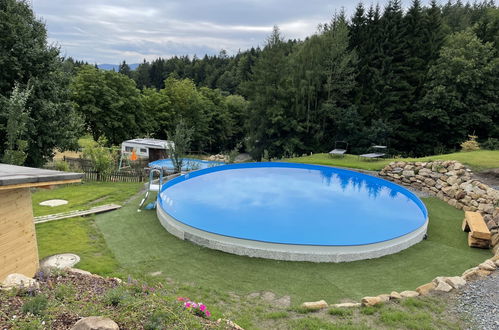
point(451, 182)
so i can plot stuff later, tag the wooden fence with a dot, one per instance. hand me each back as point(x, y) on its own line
point(135, 173)
point(116, 176)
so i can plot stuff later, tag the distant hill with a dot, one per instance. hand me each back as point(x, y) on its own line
point(116, 67)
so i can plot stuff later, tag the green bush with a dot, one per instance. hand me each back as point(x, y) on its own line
point(490, 144)
point(61, 165)
point(36, 305)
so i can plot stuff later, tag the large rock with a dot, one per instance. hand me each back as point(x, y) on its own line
point(95, 323)
point(455, 281)
point(424, 289)
point(443, 287)
point(384, 297)
point(371, 301)
point(19, 281)
point(409, 294)
point(315, 305)
point(488, 265)
point(395, 295)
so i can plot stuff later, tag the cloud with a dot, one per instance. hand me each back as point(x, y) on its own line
point(112, 31)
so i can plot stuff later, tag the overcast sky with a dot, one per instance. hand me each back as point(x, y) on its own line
point(109, 31)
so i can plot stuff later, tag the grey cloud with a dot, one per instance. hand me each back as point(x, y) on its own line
point(112, 31)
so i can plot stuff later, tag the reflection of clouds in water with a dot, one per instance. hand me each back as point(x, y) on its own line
point(276, 188)
point(281, 204)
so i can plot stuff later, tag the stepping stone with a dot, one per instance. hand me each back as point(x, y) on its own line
point(54, 202)
point(60, 261)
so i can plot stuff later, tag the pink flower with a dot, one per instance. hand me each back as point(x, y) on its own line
point(187, 304)
point(181, 299)
point(202, 307)
point(207, 313)
point(194, 305)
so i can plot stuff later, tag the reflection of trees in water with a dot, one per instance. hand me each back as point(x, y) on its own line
point(355, 182)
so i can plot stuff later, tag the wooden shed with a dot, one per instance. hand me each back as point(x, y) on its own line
point(18, 247)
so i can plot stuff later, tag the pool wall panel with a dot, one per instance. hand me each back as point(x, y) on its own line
point(289, 252)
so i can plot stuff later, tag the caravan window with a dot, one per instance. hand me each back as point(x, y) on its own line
point(128, 149)
point(144, 151)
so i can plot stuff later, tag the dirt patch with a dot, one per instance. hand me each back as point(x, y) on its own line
point(489, 177)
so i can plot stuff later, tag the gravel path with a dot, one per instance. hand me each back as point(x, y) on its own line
point(478, 301)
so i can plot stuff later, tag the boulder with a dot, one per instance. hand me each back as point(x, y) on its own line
point(315, 305)
point(488, 265)
point(384, 297)
point(95, 323)
point(346, 305)
point(443, 287)
point(19, 281)
point(424, 289)
point(409, 294)
point(455, 281)
point(395, 295)
point(371, 301)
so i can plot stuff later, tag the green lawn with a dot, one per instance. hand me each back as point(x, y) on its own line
point(477, 160)
point(126, 242)
point(141, 245)
point(80, 236)
point(84, 196)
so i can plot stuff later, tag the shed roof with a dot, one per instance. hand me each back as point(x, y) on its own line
point(12, 175)
point(152, 143)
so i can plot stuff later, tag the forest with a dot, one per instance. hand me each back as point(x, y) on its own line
point(419, 80)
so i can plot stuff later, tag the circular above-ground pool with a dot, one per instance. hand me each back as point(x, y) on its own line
point(291, 211)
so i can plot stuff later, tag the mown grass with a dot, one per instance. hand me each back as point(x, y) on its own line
point(84, 196)
point(79, 236)
point(142, 246)
point(477, 160)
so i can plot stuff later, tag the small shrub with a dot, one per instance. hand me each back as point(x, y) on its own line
point(490, 144)
point(341, 312)
point(195, 308)
point(61, 165)
point(116, 296)
point(36, 305)
point(471, 144)
point(158, 320)
point(64, 292)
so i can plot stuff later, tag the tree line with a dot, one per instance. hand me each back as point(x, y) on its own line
point(419, 81)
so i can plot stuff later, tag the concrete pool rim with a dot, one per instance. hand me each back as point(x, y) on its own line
point(291, 252)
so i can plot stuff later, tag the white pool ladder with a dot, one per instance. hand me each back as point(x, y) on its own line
point(153, 185)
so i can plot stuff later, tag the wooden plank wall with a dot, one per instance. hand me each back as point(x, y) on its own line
point(18, 248)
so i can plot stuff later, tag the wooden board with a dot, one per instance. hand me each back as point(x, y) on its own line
point(477, 242)
point(18, 248)
point(72, 214)
point(478, 227)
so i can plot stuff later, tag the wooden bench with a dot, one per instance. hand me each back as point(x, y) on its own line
point(479, 234)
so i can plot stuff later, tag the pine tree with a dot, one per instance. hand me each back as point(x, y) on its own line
point(272, 130)
point(125, 69)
